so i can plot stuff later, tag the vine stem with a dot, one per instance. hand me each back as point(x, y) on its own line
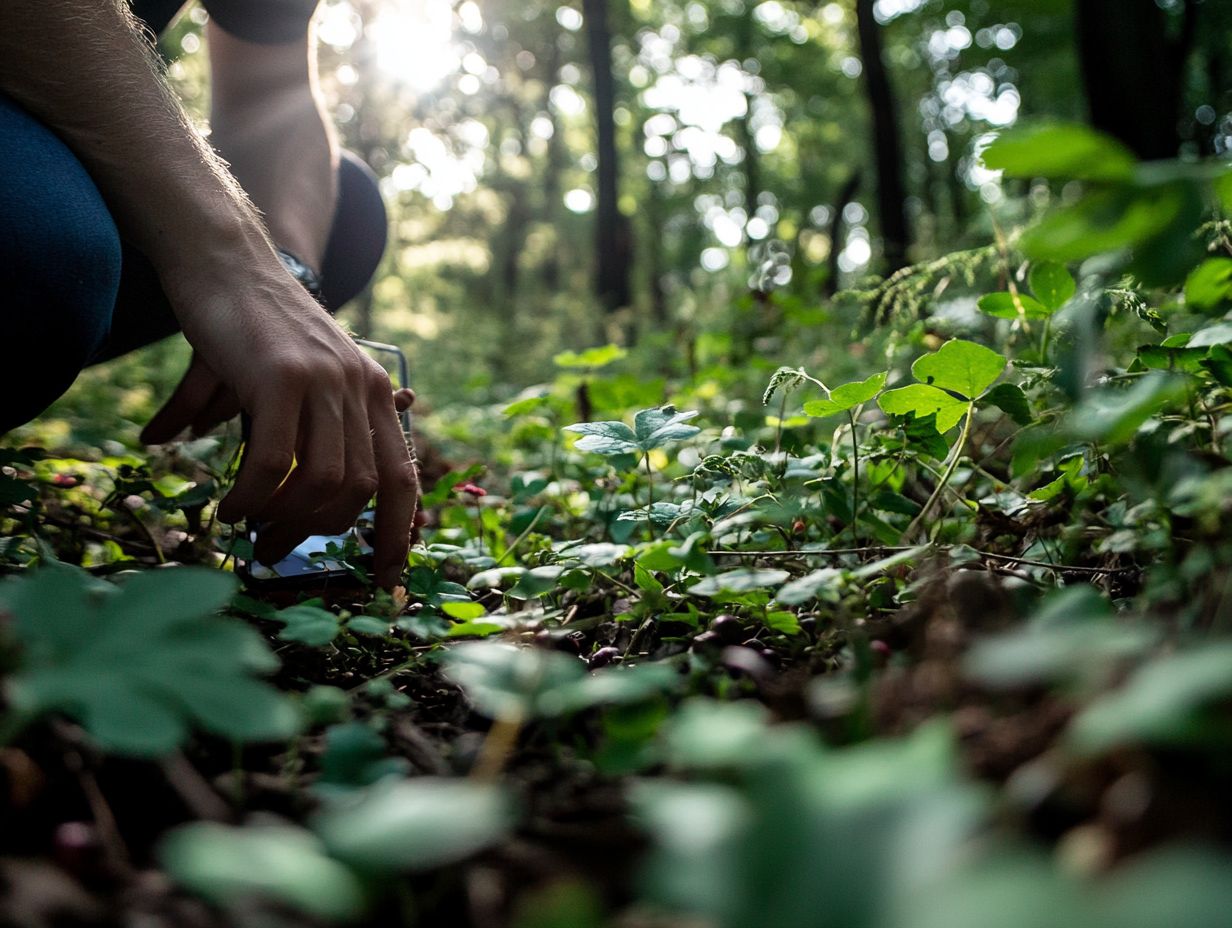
point(649, 498)
point(855, 480)
point(946, 474)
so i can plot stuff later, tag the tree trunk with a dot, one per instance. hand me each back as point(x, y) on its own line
point(887, 141)
point(1133, 70)
point(613, 241)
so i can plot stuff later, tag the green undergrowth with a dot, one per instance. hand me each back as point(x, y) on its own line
point(933, 630)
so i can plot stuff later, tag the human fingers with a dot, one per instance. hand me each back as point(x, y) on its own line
point(404, 399)
point(341, 508)
point(398, 492)
point(320, 465)
point(222, 407)
point(190, 397)
point(268, 457)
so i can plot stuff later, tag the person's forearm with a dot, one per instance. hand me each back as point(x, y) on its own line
point(267, 121)
point(82, 68)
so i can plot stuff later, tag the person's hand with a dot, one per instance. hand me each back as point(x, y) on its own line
point(316, 401)
point(201, 402)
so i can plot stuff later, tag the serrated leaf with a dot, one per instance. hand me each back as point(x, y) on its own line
point(139, 663)
point(1059, 151)
point(1005, 305)
point(846, 396)
point(605, 437)
point(307, 625)
point(1009, 398)
point(658, 426)
point(785, 378)
point(1051, 283)
point(960, 366)
point(921, 400)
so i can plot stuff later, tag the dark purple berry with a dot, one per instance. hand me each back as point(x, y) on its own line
point(728, 627)
point(603, 657)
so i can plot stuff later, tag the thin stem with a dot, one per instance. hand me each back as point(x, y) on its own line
point(479, 524)
point(778, 432)
point(959, 446)
point(649, 497)
point(521, 538)
point(855, 480)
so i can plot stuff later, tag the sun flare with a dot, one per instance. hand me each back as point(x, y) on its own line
point(415, 42)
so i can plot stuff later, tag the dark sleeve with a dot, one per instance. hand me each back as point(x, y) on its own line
point(265, 21)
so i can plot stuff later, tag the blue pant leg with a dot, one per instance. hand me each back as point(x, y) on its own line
point(60, 266)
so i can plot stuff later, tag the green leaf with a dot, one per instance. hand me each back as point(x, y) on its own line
point(1059, 151)
point(505, 681)
point(742, 580)
point(1071, 636)
point(282, 863)
point(1210, 284)
point(1051, 283)
point(920, 400)
point(591, 358)
point(1102, 221)
point(960, 366)
point(605, 437)
point(355, 756)
point(1005, 305)
point(464, 611)
point(409, 825)
point(368, 625)
point(847, 396)
point(656, 427)
point(1170, 701)
point(1114, 415)
point(823, 583)
point(783, 622)
point(785, 379)
point(308, 625)
point(138, 664)
point(522, 406)
point(922, 435)
point(1010, 399)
